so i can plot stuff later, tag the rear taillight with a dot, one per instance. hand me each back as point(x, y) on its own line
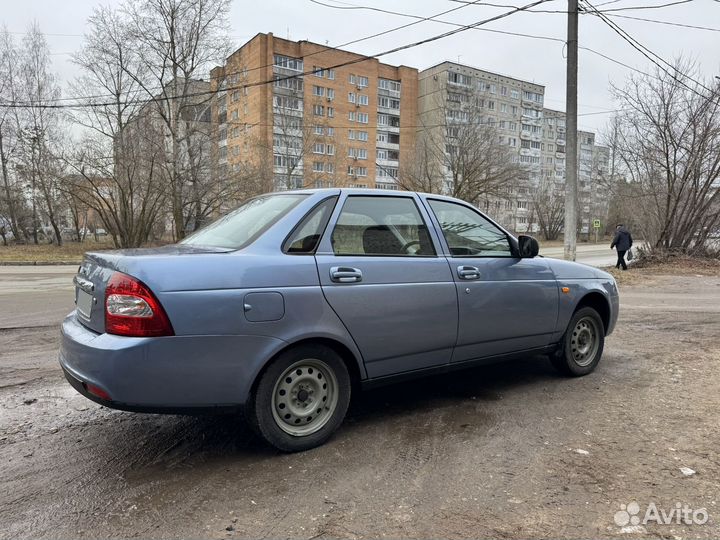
point(131, 309)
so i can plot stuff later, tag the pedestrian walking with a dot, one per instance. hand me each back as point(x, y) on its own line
point(622, 242)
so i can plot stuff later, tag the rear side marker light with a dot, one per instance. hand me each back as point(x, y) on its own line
point(131, 309)
point(97, 391)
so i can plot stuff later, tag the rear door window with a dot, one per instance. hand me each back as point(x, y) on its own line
point(381, 227)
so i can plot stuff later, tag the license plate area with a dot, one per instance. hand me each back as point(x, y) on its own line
point(84, 303)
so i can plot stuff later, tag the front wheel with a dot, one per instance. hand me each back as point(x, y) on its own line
point(301, 399)
point(582, 344)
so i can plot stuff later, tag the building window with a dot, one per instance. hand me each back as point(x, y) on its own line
point(329, 167)
point(361, 171)
point(503, 90)
point(331, 112)
point(392, 86)
point(296, 64)
point(330, 149)
point(503, 107)
point(330, 94)
point(330, 131)
point(514, 94)
point(351, 97)
point(318, 166)
point(318, 130)
point(363, 118)
point(318, 91)
point(387, 172)
point(457, 98)
point(351, 79)
point(362, 99)
point(491, 105)
point(318, 148)
point(362, 135)
point(331, 74)
point(351, 134)
point(362, 82)
point(459, 78)
point(351, 116)
point(318, 110)
point(287, 102)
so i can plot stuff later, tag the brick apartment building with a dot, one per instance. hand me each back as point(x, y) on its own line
point(314, 115)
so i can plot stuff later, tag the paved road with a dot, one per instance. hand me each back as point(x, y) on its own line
point(35, 295)
point(510, 451)
point(599, 255)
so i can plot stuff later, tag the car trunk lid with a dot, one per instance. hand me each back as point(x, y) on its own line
point(97, 268)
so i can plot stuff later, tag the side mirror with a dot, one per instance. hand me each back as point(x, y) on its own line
point(529, 247)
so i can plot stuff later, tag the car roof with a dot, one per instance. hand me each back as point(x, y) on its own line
point(367, 191)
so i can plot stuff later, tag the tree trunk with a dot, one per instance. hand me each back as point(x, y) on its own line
point(10, 202)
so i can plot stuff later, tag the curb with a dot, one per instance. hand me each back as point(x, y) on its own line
point(40, 263)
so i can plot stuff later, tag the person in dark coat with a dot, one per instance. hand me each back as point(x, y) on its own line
point(622, 242)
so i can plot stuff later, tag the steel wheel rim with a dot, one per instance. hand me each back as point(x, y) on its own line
point(584, 341)
point(305, 397)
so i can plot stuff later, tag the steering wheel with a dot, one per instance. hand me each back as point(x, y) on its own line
point(410, 244)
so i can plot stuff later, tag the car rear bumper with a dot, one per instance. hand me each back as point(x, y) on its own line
point(164, 374)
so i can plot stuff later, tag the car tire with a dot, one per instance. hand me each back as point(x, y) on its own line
point(581, 346)
point(301, 398)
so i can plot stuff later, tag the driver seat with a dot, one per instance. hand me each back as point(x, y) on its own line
point(380, 240)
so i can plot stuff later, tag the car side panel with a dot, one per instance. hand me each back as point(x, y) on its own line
point(580, 288)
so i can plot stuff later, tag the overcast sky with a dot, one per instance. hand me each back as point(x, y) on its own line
point(64, 22)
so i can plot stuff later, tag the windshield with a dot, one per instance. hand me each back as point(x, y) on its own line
point(243, 226)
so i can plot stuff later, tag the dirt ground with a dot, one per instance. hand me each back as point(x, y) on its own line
point(511, 451)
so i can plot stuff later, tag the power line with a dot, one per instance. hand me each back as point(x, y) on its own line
point(681, 25)
point(51, 105)
point(647, 52)
point(611, 10)
point(321, 50)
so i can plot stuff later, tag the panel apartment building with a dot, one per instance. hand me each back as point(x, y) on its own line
point(535, 135)
point(318, 116)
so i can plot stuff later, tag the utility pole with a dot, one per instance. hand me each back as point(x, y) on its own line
point(571, 160)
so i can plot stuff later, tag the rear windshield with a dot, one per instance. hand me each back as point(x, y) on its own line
point(244, 225)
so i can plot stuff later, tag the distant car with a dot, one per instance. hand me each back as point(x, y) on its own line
point(100, 232)
point(283, 306)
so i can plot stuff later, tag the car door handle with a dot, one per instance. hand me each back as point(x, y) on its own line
point(468, 272)
point(345, 274)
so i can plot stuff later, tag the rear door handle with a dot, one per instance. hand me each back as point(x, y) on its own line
point(345, 274)
point(468, 272)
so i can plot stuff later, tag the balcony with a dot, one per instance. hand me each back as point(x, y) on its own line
point(560, 155)
point(387, 145)
point(560, 142)
point(525, 135)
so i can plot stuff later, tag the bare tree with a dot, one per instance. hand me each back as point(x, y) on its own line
point(117, 168)
point(548, 209)
point(11, 196)
point(669, 147)
point(176, 42)
point(40, 130)
point(463, 157)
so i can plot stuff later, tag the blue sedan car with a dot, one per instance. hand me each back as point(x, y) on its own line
point(285, 305)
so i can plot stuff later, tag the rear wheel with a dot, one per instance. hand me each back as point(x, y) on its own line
point(301, 399)
point(582, 345)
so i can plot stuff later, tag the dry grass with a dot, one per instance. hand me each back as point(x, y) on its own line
point(71, 252)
